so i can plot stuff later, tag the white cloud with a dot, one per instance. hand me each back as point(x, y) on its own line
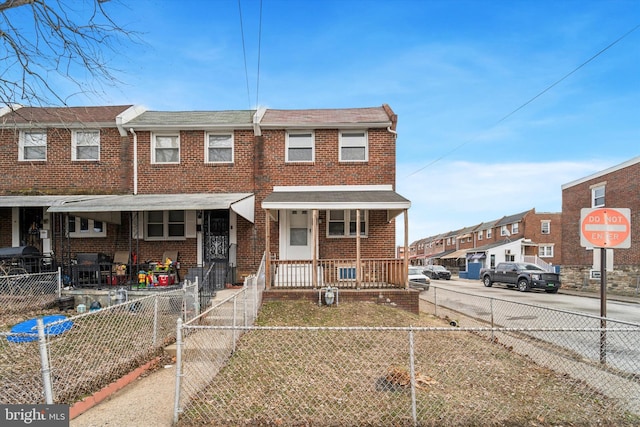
point(448, 196)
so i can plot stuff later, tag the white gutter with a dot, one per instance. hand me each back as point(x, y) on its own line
point(257, 118)
point(128, 115)
point(135, 161)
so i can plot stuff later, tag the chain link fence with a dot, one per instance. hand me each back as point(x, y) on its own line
point(476, 372)
point(69, 359)
point(21, 293)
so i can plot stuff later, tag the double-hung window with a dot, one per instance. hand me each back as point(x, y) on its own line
point(545, 251)
point(545, 226)
point(515, 227)
point(300, 146)
point(33, 145)
point(219, 148)
point(85, 145)
point(165, 148)
point(488, 233)
point(354, 146)
point(480, 235)
point(165, 225)
point(597, 196)
point(342, 223)
point(504, 231)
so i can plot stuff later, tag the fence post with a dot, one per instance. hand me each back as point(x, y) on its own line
point(60, 282)
point(245, 303)
point(44, 363)
point(435, 301)
point(412, 372)
point(176, 403)
point(491, 310)
point(155, 320)
point(235, 307)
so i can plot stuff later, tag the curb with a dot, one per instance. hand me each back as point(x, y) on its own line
point(87, 403)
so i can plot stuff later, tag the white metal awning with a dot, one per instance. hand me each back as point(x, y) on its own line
point(241, 203)
point(371, 197)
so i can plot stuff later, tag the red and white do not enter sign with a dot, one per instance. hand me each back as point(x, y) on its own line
point(605, 228)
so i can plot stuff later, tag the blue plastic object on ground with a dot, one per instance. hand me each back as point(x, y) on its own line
point(28, 330)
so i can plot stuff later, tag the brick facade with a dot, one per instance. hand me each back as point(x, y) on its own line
point(258, 165)
point(622, 184)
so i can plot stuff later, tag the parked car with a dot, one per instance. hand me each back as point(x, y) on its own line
point(436, 272)
point(522, 275)
point(417, 279)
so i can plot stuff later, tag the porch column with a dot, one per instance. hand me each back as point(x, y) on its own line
point(267, 251)
point(314, 241)
point(405, 273)
point(358, 263)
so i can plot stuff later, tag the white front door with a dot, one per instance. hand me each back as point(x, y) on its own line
point(296, 235)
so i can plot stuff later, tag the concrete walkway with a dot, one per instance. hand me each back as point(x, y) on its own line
point(147, 401)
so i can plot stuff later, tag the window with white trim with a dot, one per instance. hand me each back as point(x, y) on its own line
point(32, 145)
point(597, 196)
point(488, 233)
point(515, 227)
point(545, 226)
point(219, 148)
point(85, 145)
point(480, 235)
point(165, 225)
point(300, 146)
point(165, 148)
point(545, 251)
point(504, 231)
point(342, 223)
point(85, 227)
point(354, 146)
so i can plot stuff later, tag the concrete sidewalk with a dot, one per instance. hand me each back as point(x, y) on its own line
point(145, 401)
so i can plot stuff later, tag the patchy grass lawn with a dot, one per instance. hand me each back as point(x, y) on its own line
point(359, 376)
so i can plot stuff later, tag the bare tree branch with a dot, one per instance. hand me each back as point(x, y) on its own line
point(43, 42)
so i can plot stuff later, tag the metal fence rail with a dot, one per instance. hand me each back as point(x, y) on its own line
point(611, 346)
point(97, 348)
point(290, 376)
point(28, 292)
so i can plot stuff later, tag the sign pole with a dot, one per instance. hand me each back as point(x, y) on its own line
point(603, 305)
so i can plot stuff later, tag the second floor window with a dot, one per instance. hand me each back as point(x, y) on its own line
point(545, 227)
point(515, 227)
point(85, 145)
point(504, 231)
point(597, 197)
point(300, 146)
point(33, 145)
point(480, 235)
point(220, 148)
point(489, 233)
point(165, 149)
point(354, 146)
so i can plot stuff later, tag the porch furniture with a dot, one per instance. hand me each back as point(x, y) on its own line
point(121, 268)
point(91, 269)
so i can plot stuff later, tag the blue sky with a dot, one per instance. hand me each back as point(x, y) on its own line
point(453, 71)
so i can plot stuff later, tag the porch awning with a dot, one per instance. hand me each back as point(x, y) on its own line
point(370, 197)
point(241, 203)
point(35, 201)
point(460, 253)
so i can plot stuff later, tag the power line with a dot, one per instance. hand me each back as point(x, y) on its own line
point(244, 55)
point(534, 98)
point(259, 51)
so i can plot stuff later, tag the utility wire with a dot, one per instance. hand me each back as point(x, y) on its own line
point(244, 54)
point(534, 98)
point(259, 50)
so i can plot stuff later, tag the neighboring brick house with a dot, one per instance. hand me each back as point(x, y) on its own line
point(209, 185)
point(614, 187)
point(531, 236)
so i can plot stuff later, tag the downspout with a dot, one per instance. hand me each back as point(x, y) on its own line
point(135, 161)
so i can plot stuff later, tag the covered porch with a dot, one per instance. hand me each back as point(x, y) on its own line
point(321, 233)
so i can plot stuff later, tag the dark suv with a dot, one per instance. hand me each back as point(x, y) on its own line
point(436, 272)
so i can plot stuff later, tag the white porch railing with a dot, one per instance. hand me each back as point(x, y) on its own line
point(534, 259)
point(342, 273)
